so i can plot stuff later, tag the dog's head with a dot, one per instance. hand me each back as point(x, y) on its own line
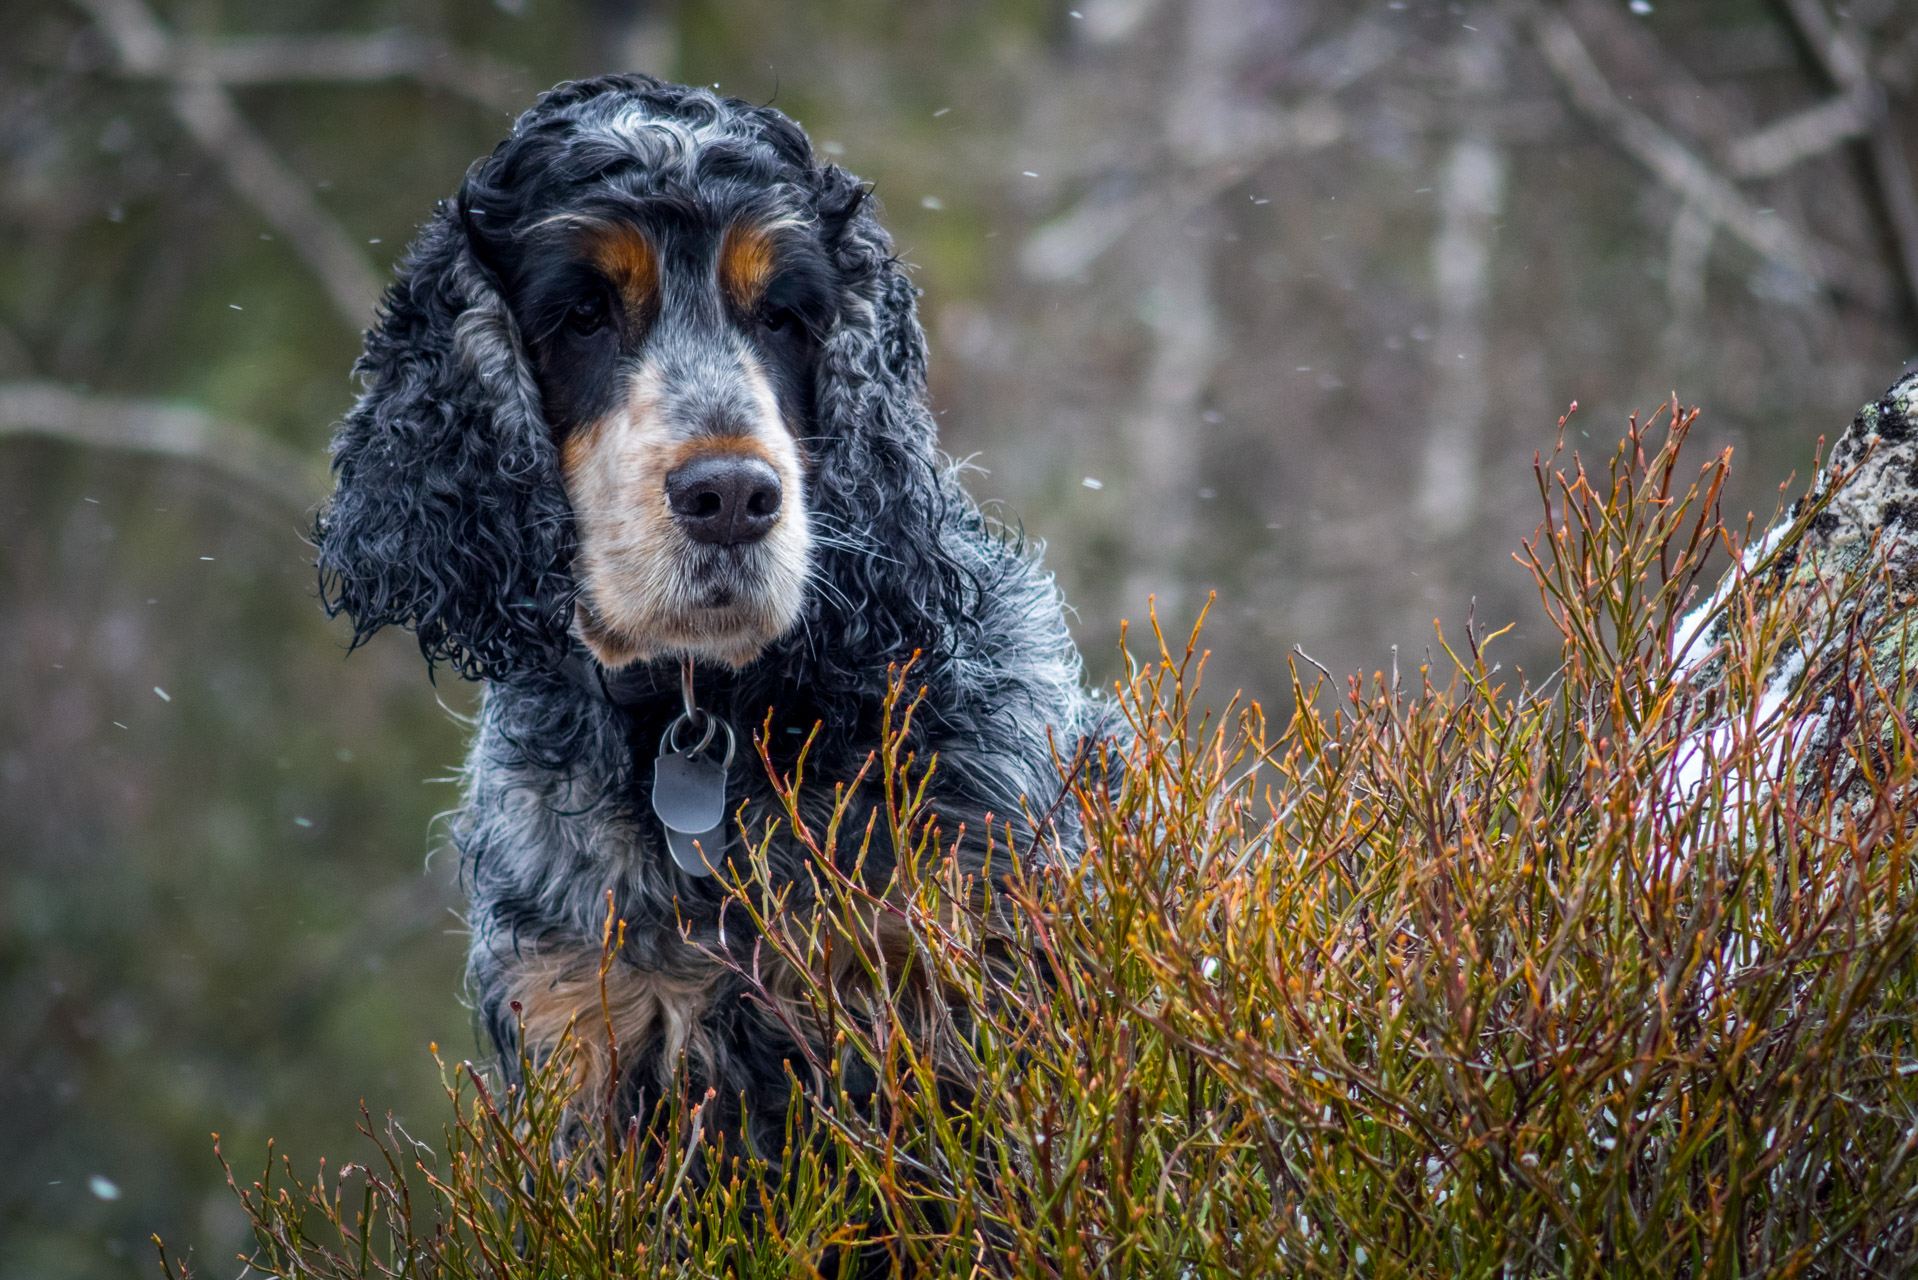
point(622, 380)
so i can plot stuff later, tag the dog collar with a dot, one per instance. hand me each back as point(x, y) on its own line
point(689, 767)
point(625, 688)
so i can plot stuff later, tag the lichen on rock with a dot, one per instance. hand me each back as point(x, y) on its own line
point(1808, 639)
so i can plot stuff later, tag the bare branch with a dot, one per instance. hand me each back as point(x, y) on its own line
point(390, 55)
point(266, 468)
point(1800, 136)
point(260, 177)
point(1843, 58)
point(1889, 162)
point(1077, 238)
point(139, 41)
point(252, 168)
point(1347, 58)
point(1472, 184)
point(1650, 75)
point(1898, 68)
point(1687, 254)
point(1689, 176)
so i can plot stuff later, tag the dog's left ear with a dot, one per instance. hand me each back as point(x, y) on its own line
point(850, 224)
point(449, 517)
point(900, 586)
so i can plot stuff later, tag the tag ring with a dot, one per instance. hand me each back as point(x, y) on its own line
point(669, 741)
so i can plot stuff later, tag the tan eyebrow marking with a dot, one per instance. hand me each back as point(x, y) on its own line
point(746, 264)
point(628, 260)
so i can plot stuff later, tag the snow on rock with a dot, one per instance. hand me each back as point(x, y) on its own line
point(1824, 577)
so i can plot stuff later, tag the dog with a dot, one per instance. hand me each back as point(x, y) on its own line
point(643, 445)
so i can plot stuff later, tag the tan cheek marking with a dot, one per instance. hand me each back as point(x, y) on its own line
point(626, 258)
point(636, 600)
point(745, 265)
point(577, 450)
point(625, 541)
point(559, 992)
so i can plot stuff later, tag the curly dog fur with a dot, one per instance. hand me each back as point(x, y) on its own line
point(642, 270)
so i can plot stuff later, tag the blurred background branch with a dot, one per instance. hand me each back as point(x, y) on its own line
point(253, 169)
point(1798, 137)
point(1840, 52)
point(265, 468)
point(1705, 192)
point(342, 59)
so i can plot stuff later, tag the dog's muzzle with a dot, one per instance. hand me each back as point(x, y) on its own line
point(691, 512)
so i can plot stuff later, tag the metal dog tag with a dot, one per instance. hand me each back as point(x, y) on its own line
point(689, 797)
point(690, 851)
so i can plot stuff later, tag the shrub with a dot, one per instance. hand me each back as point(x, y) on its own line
point(1461, 972)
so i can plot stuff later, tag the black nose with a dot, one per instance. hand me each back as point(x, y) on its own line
point(724, 500)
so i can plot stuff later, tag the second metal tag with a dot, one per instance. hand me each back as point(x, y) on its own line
point(689, 795)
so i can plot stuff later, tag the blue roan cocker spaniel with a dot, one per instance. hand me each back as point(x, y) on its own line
point(648, 398)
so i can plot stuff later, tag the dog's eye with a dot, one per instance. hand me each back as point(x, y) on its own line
point(779, 319)
point(588, 315)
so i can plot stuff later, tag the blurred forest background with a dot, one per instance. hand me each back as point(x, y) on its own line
point(1275, 298)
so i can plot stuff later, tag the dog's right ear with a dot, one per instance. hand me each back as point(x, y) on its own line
point(449, 517)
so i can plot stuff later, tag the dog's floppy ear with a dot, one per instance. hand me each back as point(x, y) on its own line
point(849, 218)
point(449, 517)
point(899, 587)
